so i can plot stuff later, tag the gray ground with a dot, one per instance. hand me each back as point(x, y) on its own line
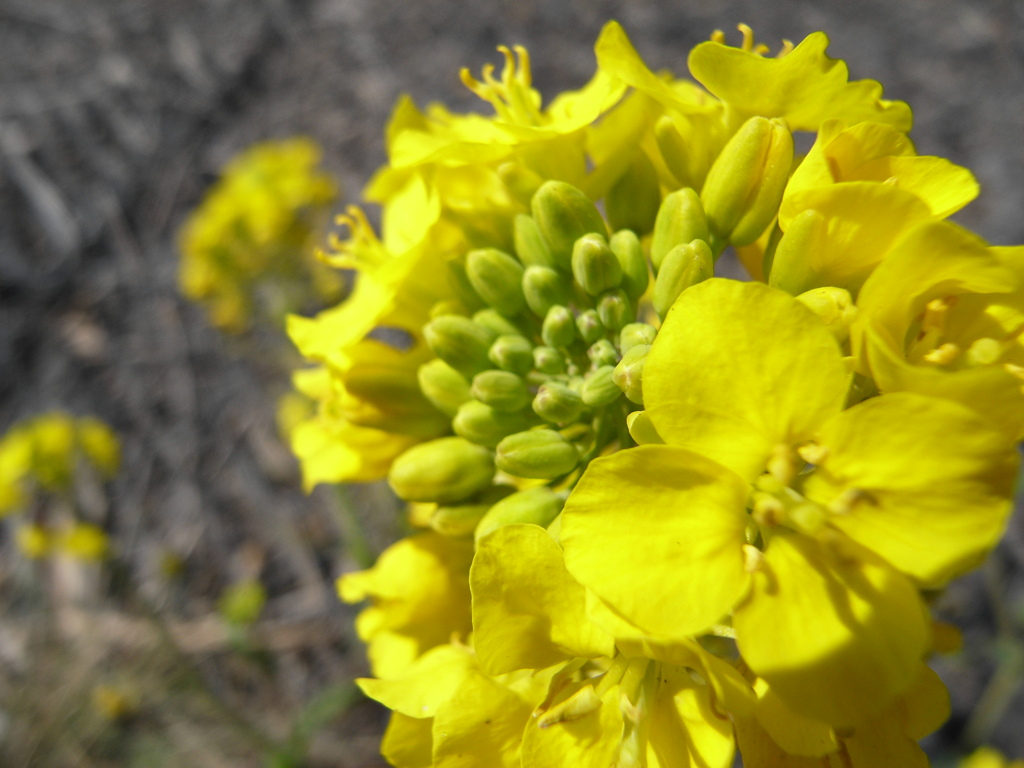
point(114, 117)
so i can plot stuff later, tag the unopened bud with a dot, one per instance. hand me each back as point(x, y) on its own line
point(496, 322)
point(559, 329)
point(615, 310)
point(481, 424)
point(635, 274)
point(629, 373)
point(564, 215)
point(634, 334)
point(594, 265)
point(677, 153)
point(548, 360)
point(497, 278)
point(520, 181)
point(599, 388)
point(460, 342)
point(460, 285)
point(632, 202)
point(557, 403)
point(458, 520)
point(602, 352)
point(791, 268)
point(543, 288)
point(744, 187)
point(589, 326)
point(534, 506)
point(513, 354)
point(447, 307)
point(444, 471)
point(684, 266)
point(531, 247)
point(502, 390)
point(680, 220)
point(443, 386)
point(835, 308)
point(539, 453)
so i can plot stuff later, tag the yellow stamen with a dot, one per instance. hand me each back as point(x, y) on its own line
point(753, 558)
point(944, 355)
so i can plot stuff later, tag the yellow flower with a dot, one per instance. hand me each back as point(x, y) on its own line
point(82, 541)
point(987, 757)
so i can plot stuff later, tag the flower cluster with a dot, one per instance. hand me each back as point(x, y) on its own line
point(42, 457)
point(249, 247)
point(667, 515)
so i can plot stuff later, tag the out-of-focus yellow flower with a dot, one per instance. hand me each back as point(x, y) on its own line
point(987, 757)
point(82, 541)
point(34, 541)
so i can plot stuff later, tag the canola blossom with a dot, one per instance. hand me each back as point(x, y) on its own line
point(663, 517)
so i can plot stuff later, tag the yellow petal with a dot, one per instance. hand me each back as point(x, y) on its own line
point(685, 729)
point(590, 741)
point(657, 533)
point(925, 706)
point(882, 744)
point(797, 734)
point(738, 369)
point(407, 742)
point(923, 482)
point(833, 629)
point(428, 683)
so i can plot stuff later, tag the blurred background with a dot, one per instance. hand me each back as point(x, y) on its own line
point(115, 117)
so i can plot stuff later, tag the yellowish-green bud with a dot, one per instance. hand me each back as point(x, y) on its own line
point(502, 390)
point(521, 182)
point(481, 424)
point(463, 289)
point(602, 352)
point(497, 278)
point(683, 266)
point(630, 253)
point(531, 247)
point(744, 187)
point(558, 403)
point(629, 373)
point(493, 320)
point(536, 506)
point(589, 326)
point(548, 360)
point(599, 388)
point(790, 269)
point(632, 202)
point(460, 342)
point(539, 453)
point(461, 519)
point(594, 265)
point(447, 307)
point(443, 386)
point(445, 471)
point(674, 150)
point(834, 306)
point(383, 397)
point(634, 334)
point(559, 329)
point(512, 353)
point(615, 310)
point(680, 220)
point(564, 215)
point(543, 288)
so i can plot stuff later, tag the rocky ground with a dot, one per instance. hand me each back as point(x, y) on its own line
point(115, 115)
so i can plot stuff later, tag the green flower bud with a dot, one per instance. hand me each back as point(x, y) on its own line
point(497, 278)
point(675, 152)
point(544, 287)
point(834, 306)
point(481, 424)
point(445, 471)
point(634, 334)
point(629, 373)
point(537, 506)
point(683, 266)
point(632, 202)
point(589, 326)
point(602, 352)
point(635, 274)
point(744, 187)
point(502, 390)
point(459, 283)
point(539, 453)
point(680, 220)
point(493, 320)
point(549, 360)
point(791, 269)
point(564, 215)
point(615, 310)
point(461, 519)
point(599, 388)
point(460, 342)
point(594, 265)
point(521, 182)
point(447, 307)
point(388, 398)
point(512, 353)
point(531, 247)
point(559, 329)
point(443, 386)
point(557, 403)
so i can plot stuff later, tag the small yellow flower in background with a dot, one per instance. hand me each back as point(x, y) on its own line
point(249, 248)
point(986, 757)
point(33, 541)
